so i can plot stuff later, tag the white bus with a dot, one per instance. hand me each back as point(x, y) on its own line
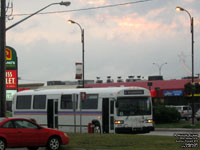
point(110, 110)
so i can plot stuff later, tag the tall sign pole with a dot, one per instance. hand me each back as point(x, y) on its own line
point(192, 36)
point(2, 59)
point(83, 57)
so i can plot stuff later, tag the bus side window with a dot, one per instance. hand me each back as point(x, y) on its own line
point(39, 102)
point(23, 102)
point(66, 102)
point(91, 102)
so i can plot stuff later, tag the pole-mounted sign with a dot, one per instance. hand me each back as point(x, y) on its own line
point(79, 71)
point(11, 68)
point(11, 58)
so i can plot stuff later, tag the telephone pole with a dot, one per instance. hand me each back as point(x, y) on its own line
point(2, 59)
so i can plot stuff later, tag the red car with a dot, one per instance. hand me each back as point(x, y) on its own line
point(19, 132)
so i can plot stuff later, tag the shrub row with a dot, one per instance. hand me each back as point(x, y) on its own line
point(164, 114)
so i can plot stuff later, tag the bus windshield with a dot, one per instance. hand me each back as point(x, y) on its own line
point(133, 106)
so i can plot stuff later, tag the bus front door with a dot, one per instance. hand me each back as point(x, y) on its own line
point(112, 114)
point(52, 113)
point(108, 115)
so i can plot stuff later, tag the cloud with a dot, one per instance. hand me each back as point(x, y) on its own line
point(118, 41)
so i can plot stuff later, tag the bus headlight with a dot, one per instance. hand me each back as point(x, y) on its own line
point(149, 121)
point(119, 121)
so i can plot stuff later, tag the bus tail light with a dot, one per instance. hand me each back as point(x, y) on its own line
point(119, 121)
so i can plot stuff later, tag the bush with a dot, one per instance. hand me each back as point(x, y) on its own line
point(164, 114)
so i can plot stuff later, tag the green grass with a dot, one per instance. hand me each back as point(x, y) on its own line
point(121, 142)
point(180, 124)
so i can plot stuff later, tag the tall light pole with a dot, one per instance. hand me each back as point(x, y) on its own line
point(83, 49)
point(192, 47)
point(3, 30)
point(159, 66)
point(83, 79)
point(61, 3)
point(2, 59)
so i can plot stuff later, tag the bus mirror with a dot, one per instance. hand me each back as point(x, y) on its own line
point(116, 104)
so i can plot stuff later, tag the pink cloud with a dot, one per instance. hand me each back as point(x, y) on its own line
point(99, 2)
point(136, 23)
point(189, 1)
point(92, 2)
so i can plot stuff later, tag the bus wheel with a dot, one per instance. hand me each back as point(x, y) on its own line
point(97, 129)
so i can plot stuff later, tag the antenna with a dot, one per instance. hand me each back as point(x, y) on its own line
point(182, 58)
point(9, 10)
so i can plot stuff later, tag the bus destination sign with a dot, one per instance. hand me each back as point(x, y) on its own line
point(133, 92)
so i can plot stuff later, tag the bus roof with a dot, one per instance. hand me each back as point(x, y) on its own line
point(78, 90)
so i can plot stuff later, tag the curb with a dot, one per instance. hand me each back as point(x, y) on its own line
point(177, 129)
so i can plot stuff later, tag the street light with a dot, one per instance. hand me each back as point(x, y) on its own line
point(61, 3)
point(3, 30)
point(82, 41)
point(192, 47)
point(160, 66)
point(83, 80)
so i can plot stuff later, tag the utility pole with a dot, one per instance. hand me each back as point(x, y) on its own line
point(2, 59)
point(3, 30)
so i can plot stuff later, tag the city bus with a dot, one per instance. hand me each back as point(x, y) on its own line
point(105, 110)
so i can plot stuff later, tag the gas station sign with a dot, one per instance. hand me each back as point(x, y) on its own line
point(11, 69)
point(10, 94)
point(11, 58)
point(11, 79)
point(11, 73)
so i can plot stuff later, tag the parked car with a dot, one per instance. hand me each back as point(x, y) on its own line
point(185, 111)
point(197, 115)
point(20, 132)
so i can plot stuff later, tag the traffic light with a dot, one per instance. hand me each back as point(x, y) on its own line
point(188, 88)
point(197, 88)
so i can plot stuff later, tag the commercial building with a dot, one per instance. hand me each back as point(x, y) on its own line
point(167, 92)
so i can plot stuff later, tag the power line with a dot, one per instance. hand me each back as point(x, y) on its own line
point(90, 8)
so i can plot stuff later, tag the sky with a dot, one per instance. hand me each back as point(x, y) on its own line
point(119, 41)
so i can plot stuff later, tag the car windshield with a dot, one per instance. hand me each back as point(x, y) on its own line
point(178, 108)
point(2, 119)
point(132, 106)
point(186, 108)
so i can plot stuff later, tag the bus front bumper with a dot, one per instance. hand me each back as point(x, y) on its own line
point(130, 129)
